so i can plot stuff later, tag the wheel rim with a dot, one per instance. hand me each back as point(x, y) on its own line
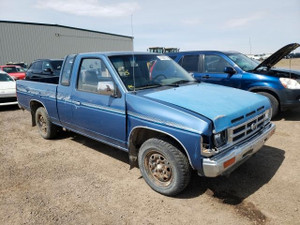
point(42, 124)
point(158, 168)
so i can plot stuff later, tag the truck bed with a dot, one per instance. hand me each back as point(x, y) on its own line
point(41, 92)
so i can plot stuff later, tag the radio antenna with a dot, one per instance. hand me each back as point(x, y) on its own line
point(133, 66)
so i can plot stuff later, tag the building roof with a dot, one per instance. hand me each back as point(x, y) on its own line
point(62, 26)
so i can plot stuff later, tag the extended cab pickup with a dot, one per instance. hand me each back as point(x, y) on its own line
point(150, 107)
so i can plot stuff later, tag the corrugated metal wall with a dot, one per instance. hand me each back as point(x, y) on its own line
point(25, 42)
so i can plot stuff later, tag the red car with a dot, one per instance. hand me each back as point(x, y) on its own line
point(16, 72)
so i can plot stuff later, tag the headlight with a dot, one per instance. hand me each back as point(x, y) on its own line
point(220, 138)
point(289, 83)
point(205, 147)
point(268, 114)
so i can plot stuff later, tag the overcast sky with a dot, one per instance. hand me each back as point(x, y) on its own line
point(259, 26)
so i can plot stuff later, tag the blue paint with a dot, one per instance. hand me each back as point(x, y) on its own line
point(250, 75)
point(218, 103)
point(187, 112)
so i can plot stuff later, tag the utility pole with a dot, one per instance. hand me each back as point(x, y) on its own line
point(250, 45)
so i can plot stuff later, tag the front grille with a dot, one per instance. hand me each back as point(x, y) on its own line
point(246, 129)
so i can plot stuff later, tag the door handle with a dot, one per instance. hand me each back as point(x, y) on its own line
point(76, 102)
point(206, 76)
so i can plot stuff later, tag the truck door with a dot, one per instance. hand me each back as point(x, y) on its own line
point(94, 113)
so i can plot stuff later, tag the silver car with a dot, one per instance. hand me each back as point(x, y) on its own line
point(8, 94)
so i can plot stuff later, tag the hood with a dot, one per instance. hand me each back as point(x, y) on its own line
point(6, 85)
point(220, 104)
point(277, 56)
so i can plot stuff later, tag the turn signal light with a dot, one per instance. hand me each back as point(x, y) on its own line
point(229, 162)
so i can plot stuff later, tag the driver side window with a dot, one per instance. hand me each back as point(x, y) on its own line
point(91, 74)
point(214, 64)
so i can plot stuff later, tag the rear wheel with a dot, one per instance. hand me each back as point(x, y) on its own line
point(46, 129)
point(274, 103)
point(164, 167)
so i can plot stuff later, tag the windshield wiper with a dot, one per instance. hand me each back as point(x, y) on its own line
point(174, 84)
point(184, 82)
point(148, 86)
point(156, 85)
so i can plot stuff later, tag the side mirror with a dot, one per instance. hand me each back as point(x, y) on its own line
point(229, 70)
point(107, 88)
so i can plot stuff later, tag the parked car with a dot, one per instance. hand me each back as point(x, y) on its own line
point(233, 69)
point(22, 64)
point(7, 90)
point(44, 69)
point(149, 106)
point(16, 72)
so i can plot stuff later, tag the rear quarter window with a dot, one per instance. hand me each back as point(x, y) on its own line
point(67, 70)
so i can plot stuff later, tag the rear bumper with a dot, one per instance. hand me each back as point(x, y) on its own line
point(214, 166)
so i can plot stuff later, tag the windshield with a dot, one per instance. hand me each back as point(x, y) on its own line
point(13, 69)
point(243, 61)
point(5, 77)
point(57, 64)
point(149, 71)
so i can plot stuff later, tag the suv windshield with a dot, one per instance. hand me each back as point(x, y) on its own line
point(149, 71)
point(57, 64)
point(243, 61)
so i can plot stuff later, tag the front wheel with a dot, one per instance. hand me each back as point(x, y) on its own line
point(274, 103)
point(46, 129)
point(164, 167)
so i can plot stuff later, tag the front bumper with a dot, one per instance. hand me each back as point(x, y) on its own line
point(217, 165)
point(289, 98)
point(8, 97)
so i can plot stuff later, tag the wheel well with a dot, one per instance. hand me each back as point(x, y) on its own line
point(267, 91)
point(34, 105)
point(140, 135)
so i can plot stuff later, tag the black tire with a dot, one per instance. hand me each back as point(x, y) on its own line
point(164, 167)
point(46, 129)
point(274, 103)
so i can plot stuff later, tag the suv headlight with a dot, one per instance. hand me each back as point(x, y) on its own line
point(220, 138)
point(289, 83)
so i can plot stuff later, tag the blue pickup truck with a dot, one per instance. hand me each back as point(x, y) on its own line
point(234, 69)
point(149, 106)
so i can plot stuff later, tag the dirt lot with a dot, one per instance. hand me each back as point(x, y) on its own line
point(293, 64)
point(74, 180)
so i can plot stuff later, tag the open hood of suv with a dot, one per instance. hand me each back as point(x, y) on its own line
point(277, 56)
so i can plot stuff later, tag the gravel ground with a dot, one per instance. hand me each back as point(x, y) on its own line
point(74, 180)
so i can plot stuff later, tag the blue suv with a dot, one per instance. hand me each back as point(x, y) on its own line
point(234, 69)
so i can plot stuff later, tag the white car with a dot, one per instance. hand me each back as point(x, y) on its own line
point(8, 94)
